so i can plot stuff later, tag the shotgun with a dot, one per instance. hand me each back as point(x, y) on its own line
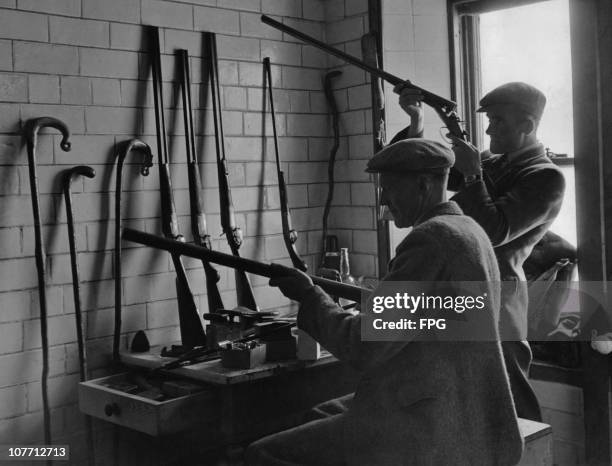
point(354, 293)
point(446, 109)
point(232, 232)
point(198, 217)
point(289, 234)
point(192, 331)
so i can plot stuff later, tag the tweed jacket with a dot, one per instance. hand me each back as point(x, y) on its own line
point(425, 402)
point(515, 203)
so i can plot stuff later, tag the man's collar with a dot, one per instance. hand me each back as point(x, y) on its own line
point(536, 148)
point(444, 208)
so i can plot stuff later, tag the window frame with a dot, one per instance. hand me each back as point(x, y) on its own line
point(466, 84)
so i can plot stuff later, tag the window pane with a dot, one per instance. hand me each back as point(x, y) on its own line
point(532, 44)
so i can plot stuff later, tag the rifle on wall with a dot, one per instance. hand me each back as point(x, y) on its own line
point(232, 232)
point(446, 109)
point(289, 234)
point(198, 217)
point(192, 331)
point(354, 293)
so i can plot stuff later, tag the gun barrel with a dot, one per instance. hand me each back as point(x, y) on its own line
point(428, 97)
point(354, 293)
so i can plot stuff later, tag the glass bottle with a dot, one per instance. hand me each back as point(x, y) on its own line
point(345, 268)
point(345, 274)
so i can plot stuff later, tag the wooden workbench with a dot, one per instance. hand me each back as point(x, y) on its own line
point(250, 403)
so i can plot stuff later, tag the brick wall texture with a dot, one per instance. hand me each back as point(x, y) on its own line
point(85, 62)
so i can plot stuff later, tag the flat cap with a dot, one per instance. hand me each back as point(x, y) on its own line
point(412, 155)
point(523, 95)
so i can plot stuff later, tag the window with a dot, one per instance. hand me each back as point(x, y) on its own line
point(528, 43)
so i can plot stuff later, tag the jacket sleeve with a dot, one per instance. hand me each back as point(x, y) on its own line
point(534, 199)
point(403, 134)
point(418, 259)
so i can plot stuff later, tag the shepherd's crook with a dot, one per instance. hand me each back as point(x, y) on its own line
point(147, 162)
point(76, 287)
point(31, 129)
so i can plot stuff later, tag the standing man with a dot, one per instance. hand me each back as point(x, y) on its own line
point(514, 195)
point(420, 399)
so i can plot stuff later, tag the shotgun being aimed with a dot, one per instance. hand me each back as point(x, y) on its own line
point(444, 108)
point(354, 293)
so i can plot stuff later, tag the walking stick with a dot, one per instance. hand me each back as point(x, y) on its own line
point(331, 100)
point(147, 162)
point(31, 129)
point(66, 184)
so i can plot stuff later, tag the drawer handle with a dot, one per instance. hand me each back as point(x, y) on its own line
point(112, 408)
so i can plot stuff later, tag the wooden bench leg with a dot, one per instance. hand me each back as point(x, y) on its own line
point(538, 443)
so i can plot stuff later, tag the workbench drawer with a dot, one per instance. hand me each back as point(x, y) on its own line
point(143, 414)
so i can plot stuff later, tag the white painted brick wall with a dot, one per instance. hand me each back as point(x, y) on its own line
point(85, 62)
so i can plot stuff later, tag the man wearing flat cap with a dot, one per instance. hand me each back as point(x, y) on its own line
point(514, 195)
point(419, 400)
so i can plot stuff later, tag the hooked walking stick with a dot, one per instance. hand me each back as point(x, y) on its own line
point(192, 331)
point(76, 287)
point(331, 100)
point(289, 234)
point(31, 129)
point(147, 162)
point(198, 217)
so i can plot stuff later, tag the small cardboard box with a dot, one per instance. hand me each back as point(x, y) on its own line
point(243, 358)
point(307, 347)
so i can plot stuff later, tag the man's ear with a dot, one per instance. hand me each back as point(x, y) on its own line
point(528, 126)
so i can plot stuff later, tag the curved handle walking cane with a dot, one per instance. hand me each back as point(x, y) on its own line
point(69, 175)
point(147, 162)
point(331, 100)
point(67, 178)
point(31, 129)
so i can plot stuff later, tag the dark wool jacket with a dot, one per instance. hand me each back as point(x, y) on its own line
point(426, 402)
point(515, 204)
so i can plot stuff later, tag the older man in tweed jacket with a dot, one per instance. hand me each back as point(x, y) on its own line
point(419, 401)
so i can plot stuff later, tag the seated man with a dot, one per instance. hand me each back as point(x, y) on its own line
point(421, 400)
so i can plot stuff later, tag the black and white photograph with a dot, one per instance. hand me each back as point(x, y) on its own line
point(305, 232)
